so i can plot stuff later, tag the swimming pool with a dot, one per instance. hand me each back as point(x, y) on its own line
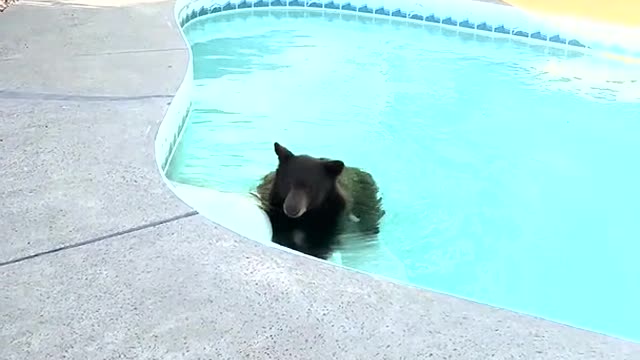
point(506, 168)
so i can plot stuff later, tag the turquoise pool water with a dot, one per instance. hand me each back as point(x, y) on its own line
point(509, 172)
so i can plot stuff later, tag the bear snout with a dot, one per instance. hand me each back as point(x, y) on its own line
point(295, 204)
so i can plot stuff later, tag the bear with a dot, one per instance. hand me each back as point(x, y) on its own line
point(313, 203)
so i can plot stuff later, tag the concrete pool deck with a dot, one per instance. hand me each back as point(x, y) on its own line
point(99, 260)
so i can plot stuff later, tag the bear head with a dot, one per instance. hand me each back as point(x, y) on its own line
point(303, 183)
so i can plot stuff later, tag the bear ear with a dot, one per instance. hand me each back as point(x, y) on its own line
point(334, 167)
point(283, 153)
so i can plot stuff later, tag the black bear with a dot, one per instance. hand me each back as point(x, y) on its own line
point(314, 202)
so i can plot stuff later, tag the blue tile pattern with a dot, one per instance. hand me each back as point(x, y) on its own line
point(467, 24)
point(229, 6)
point(484, 27)
point(260, 3)
point(502, 30)
point(348, 7)
point(558, 39)
point(365, 9)
point(520, 33)
point(449, 21)
point(331, 5)
point(382, 11)
point(432, 19)
point(575, 43)
point(538, 36)
point(399, 13)
point(187, 15)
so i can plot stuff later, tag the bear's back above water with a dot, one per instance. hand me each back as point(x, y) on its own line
point(313, 201)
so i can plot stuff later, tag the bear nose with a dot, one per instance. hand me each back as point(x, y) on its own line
point(295, 204)
point(293, 211)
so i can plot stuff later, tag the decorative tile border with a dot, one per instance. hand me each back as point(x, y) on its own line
point(474, 15)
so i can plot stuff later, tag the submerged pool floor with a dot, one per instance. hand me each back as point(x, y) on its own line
point(509, 172)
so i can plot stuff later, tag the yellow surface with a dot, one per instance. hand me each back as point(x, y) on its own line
point(624, 59)
point(622, 12)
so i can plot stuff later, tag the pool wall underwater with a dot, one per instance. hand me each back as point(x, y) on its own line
point(499, 20)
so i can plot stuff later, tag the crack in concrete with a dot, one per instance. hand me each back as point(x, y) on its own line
point(139, 51)
point(27, 95)
point(105, 53)
point(100, 238)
